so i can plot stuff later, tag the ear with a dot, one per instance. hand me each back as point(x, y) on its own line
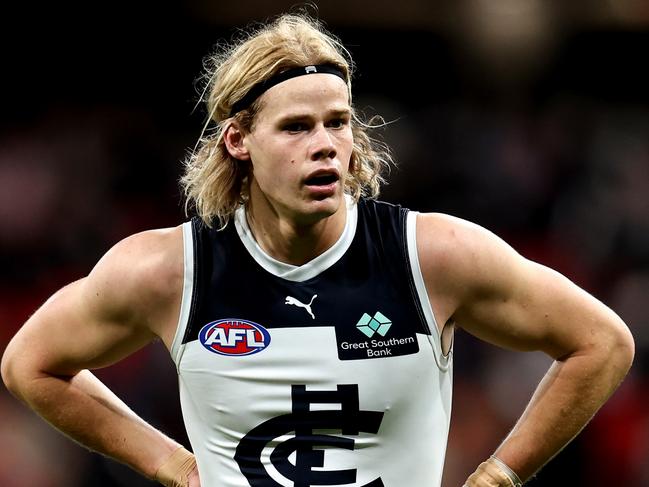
point(233, 138)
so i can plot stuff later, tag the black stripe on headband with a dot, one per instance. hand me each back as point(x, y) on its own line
point(257, 90)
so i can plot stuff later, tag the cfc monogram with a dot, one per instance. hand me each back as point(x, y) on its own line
point(308, 468)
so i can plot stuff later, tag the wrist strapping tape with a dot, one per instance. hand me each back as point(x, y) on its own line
point(174, 472)
point(515, 479)
point(493, 472)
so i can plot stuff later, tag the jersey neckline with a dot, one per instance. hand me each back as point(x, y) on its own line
point(312, 268)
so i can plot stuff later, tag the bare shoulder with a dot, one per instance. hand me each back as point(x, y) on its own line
point(148, 258)
point(460, 260)
point(451, 245)
point(446, 235)
point(139, 280)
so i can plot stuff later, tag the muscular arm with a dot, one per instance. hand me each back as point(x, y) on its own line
point(94, 322)
point(485, 287)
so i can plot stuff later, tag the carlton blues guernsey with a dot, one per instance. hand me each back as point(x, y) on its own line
point(325, 374)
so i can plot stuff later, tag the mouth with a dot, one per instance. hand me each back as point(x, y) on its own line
point(322, 178)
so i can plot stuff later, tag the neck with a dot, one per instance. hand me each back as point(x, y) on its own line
point(290, 241)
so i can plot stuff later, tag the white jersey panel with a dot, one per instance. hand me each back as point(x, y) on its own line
point(410, 390)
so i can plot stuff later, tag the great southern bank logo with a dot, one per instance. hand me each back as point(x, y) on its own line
point(369, 325)
point(371, 341)
point(234, 337)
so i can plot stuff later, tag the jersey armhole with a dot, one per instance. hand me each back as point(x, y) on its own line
point(443, 361)
point(177, 346)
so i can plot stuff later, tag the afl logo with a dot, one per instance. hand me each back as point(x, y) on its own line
point(234, 337)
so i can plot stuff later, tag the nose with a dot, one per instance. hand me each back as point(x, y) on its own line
point(322, 144)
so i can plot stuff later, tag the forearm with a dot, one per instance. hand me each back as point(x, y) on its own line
point(87, 411)
point(566, 399)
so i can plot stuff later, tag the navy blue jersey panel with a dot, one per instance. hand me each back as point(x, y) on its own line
point(372, 276)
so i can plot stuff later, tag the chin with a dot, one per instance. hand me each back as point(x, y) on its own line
point(320, 208)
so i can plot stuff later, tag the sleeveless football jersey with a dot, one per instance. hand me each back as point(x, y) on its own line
point(330, 373)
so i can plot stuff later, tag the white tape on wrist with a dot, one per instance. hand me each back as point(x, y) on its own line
point(175, 471)
point(515, 479)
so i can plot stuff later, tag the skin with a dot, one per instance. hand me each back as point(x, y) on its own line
point(303, 126)
point(474, 280)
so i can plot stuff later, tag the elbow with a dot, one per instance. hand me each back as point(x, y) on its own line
point(624, 347)
point(7, 369)
point(14, 370)
point(617, 349)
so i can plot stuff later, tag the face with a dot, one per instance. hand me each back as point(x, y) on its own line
point(300, 147)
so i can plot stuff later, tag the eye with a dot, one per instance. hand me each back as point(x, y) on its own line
point(338, 123)
point(295, 127)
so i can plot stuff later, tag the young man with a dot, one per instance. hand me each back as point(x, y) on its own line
point(311, 327)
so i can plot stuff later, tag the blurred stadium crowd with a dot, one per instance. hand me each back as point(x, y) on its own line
point(528, 118)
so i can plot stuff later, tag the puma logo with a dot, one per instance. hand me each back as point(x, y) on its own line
point(307, 307)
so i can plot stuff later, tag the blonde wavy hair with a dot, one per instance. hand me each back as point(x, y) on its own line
point(214, 182)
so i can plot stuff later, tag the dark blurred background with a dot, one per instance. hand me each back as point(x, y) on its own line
point(529, 117)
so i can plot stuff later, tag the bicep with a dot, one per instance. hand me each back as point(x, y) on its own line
point(533, 308)
point(510, 301)
point(78, 328)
